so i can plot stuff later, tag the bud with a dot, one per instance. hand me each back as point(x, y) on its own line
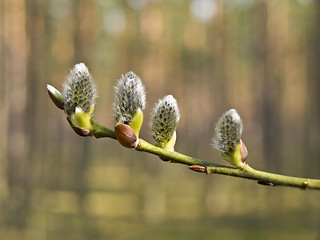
point(79, 95)
point(80, 131)
point(164, 121)
point(228, 138)
point(198, 168)
point(126, 136)
point(130, 101)
point(55, 96)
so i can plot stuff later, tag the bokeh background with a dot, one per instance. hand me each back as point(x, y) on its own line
point(259, 56)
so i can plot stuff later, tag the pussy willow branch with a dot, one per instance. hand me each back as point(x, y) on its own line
point(247, 172)
point(100, 131)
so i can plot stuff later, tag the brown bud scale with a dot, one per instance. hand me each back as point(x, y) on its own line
point(244, 151)
point(81, 132)
point(198, 168)
point(126, 136)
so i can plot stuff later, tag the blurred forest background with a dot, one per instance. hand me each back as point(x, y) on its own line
point(261, 57)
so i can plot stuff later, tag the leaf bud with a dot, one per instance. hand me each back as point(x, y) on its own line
point(126, 135)
point(55, 96)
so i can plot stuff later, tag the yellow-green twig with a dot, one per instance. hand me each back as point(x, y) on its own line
point(247, 172)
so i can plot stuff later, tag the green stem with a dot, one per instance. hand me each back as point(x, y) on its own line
point(247, 172)
point(266, 178)
point(100, 131)
point(173, 156)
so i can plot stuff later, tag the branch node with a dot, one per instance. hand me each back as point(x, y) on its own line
point(138, 146)
point(198, 168)
point(306, 184)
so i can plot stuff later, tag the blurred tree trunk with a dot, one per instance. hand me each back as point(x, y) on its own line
point(33, 123)
point(4, 107)
point(15, 96)
point(312, 109)
point(267, 79)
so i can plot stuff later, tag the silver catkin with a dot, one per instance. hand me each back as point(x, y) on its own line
point(164, 119)
point(228, 132)
point(130, 95)
point(79, 90)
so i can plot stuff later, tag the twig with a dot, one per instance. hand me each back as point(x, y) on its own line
point(199, 165)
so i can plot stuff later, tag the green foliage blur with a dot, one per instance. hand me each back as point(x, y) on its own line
point(258, 56)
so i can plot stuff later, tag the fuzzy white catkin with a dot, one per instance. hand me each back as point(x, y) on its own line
point(130, 95)
point(79, 91)
point(228, 132)
point(165, 118)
